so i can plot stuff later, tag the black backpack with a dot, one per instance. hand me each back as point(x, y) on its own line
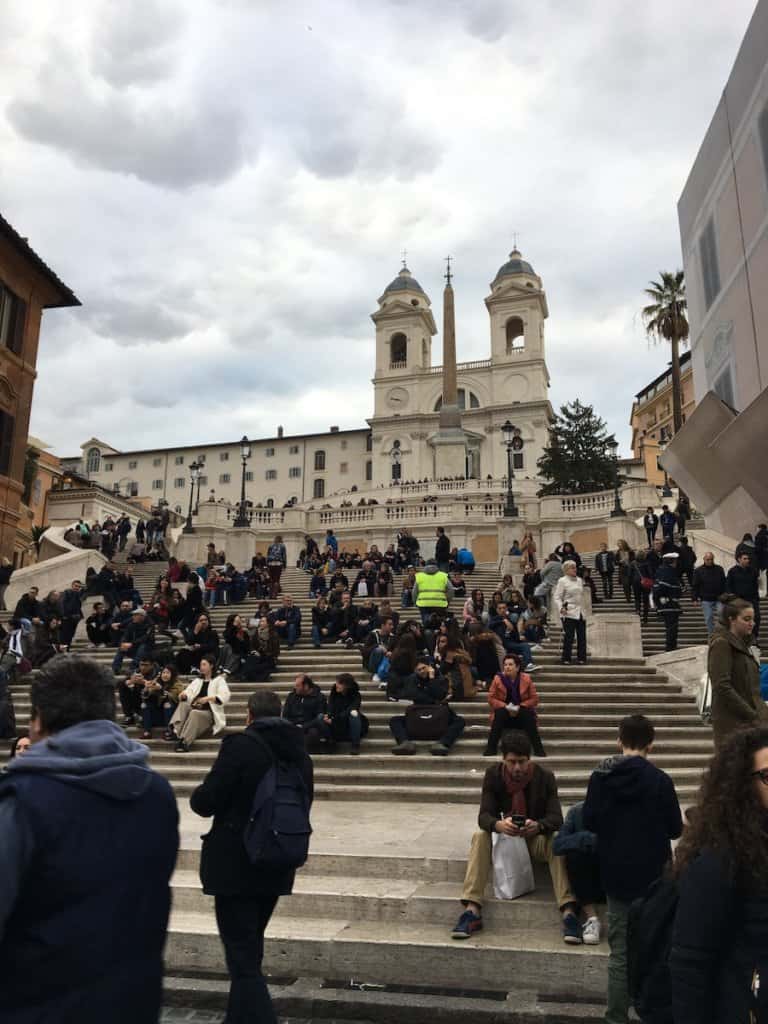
point(276, 835)
point(649, 943)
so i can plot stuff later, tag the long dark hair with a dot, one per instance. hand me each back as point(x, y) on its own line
point(403, 657)
point(728, 817)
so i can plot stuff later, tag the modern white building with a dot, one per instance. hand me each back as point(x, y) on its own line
point(395, 445)
point(720, 454)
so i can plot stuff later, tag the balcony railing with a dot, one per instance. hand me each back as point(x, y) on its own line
point(401, 364)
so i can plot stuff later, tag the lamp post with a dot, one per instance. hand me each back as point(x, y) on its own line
point(242, 514)
point(197, 492)
point(613, 447)
point(194, 470)
point(514, 442)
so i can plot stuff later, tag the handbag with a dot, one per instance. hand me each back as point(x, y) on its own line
point(541, 590)
point(512, 868)
point(427, 721)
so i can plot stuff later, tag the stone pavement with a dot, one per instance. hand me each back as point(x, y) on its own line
point(373, 829)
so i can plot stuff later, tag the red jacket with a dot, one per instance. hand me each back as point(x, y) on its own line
point(497, 694)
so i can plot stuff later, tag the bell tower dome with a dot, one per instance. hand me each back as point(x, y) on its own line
point(404, 327)
point(518, 308)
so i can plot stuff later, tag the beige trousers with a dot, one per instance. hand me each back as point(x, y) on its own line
point(480, 865)
point(189, 724)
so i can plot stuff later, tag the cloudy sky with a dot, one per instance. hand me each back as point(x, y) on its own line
point(227, 186)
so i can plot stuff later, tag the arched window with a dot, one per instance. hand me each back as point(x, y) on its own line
point(93, 464)
point(515, 334)
point(319, 460)
point(270, 503)
point(369, 469)
point(318, 488)
point(461, 395)
point(369, 442)
point(398, 350)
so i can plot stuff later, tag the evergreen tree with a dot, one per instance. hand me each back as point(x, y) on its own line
point(577, 459)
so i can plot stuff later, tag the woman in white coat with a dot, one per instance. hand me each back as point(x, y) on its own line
point(570, 599)
point(200, 711)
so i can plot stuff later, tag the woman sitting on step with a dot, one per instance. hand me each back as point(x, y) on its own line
point(203, 640)
point(200, 710)
point(513, 700)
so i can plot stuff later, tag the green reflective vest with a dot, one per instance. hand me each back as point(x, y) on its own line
point(432, 587)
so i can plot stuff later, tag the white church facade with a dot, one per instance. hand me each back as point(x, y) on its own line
point(400, 442)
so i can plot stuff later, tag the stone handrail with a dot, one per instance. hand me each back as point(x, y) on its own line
point(634, 498)
point(475, 364)
point(62, 563)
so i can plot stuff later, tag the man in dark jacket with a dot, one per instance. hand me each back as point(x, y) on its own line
point(71, 612)
point(442, 550)
point(287, 621)
point(137, 641)
point(668, 522)
point(650, 525)
point(78, 813)
point(707, 588)
point(424, 687)
point(604, 564)
point(633, 810)
point(761, 548)
point(743, 580)
point(29, 607)
point(519, 799)
point(344, 620)
point(686, 561)
point(246, 895)
point(667, 593)
point(306, 704)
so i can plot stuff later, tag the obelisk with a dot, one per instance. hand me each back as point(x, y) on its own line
point(450, 441)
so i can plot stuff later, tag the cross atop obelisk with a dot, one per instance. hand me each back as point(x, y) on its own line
point(450, 441)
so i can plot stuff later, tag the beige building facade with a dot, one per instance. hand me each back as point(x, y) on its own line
point(718, 457)
point(651, 419)
point(396, 444)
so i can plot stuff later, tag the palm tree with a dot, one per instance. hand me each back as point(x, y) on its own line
point(665, 318)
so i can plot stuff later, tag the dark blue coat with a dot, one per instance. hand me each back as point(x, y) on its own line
point(90, 844)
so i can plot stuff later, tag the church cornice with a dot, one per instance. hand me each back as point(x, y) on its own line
point(396, 310)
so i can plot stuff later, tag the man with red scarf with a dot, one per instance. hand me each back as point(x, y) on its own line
point(520, 787)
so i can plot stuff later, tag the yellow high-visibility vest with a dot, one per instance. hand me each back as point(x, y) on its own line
point(432, 589)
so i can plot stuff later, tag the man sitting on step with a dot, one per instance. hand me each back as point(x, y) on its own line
point(132, 688)
point(97, 625)
point(424, 688)
point(519, 799)
point(287, 621)
point(136, 642)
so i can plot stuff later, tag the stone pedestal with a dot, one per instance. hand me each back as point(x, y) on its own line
point(450, 448)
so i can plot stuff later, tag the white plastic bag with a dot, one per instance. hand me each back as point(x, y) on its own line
point(362, 589)
point(762, 586)
point(512, 868)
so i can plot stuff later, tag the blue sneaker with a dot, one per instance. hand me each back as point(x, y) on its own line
point(467, 925)
point(572, 933)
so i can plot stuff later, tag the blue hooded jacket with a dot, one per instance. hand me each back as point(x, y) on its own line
point(88, 841)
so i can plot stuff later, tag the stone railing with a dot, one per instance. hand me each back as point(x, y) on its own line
point(455, 486)
point(634, 498)
point(60, 564)
point(475, 364)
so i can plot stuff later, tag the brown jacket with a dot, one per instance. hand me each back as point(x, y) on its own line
point(541, 798)
point(735, 678)
point(497, 694)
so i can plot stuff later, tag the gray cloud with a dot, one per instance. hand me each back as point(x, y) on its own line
point(229, 193)
point(132, 42)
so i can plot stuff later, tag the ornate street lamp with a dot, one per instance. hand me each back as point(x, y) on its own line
point(513, 440)
point(194, 471)
point(613, 448)
point(242, 514)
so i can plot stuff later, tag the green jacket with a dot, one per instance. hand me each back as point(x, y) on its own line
point(735, 677)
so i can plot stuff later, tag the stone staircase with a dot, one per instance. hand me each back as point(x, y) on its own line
point(579, 713)
point(692, 631)
point(376, 900)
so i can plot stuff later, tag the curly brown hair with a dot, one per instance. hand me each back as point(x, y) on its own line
point(728, 817)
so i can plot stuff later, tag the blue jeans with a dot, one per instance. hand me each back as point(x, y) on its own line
point(289, 633)
point(523, 649)
point(135, 656)
point(711, 609)
point(317, 636)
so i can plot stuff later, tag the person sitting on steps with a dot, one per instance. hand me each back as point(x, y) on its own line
point(424, 687)
point(517, 790)
point(343, 719)
point(513, 700)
